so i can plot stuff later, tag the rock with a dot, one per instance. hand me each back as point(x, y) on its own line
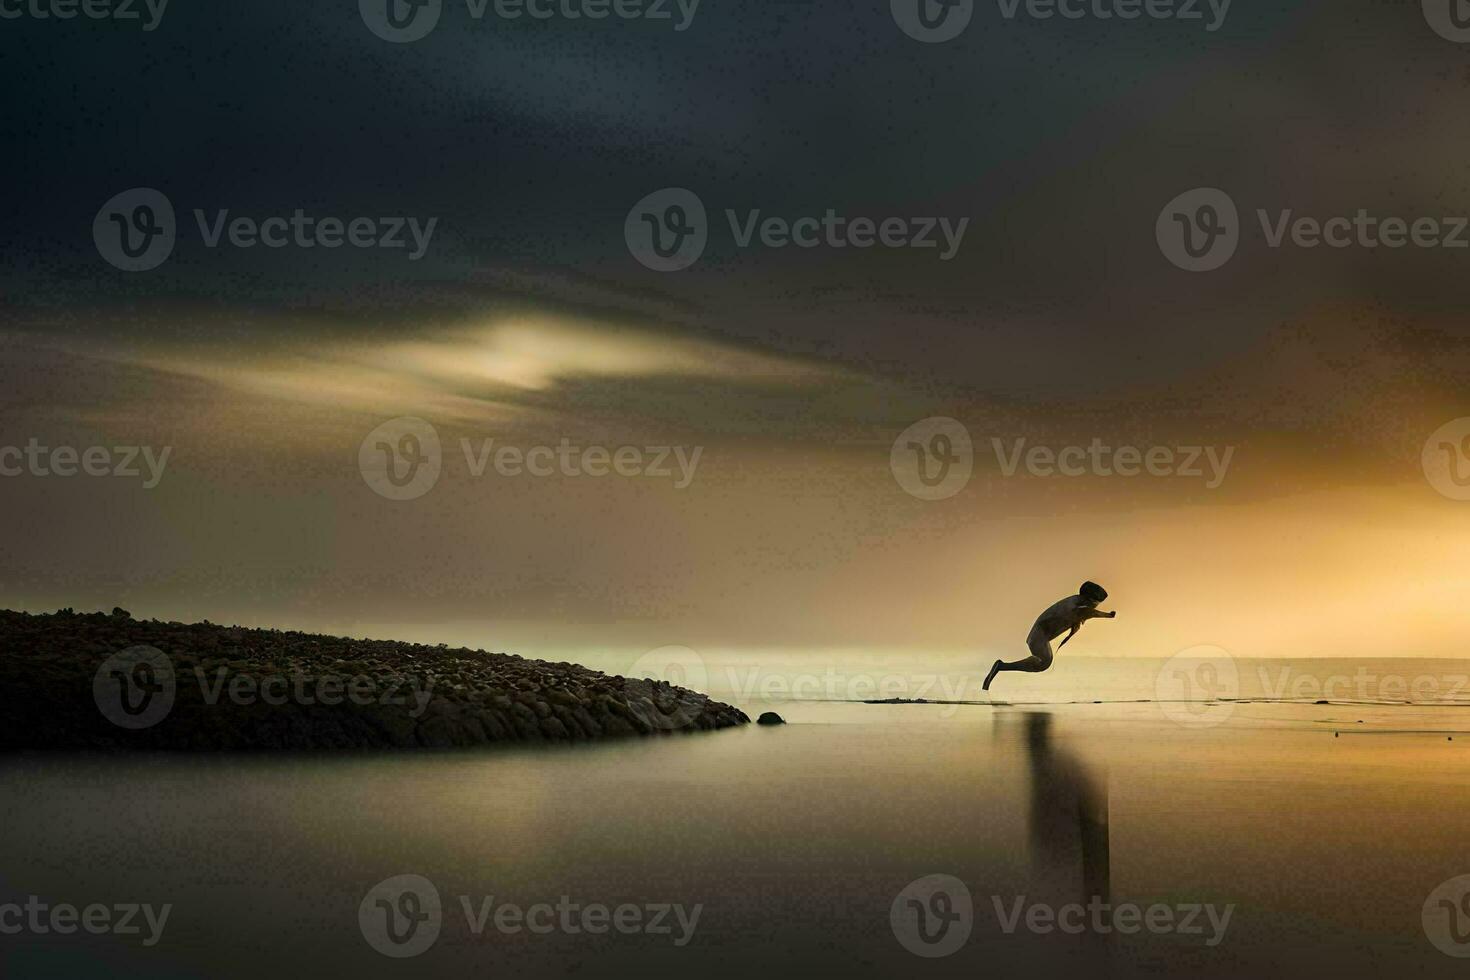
point(437, 732)
point(394, 728)
point(553, 728)
point(494, 724)
point(586, 721)
point(770, 718)
point(615, 725)
point(376, 699)
point(569, 720)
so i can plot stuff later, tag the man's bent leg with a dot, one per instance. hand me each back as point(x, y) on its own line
point(1039, 660)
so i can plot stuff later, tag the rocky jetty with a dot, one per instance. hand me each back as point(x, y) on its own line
point(100, 681)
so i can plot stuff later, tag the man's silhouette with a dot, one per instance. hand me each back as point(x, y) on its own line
point(1065, 615)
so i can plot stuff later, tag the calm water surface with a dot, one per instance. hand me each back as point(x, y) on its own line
point(794, 842)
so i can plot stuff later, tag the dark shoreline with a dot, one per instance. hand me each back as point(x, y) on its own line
point(100, 681)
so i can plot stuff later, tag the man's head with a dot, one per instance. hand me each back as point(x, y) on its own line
point(1092, 592)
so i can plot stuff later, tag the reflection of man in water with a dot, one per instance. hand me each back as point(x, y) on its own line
point(1068, 824)
point(1069, 814)
point(1060, 617)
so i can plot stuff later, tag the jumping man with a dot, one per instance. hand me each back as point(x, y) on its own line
point(1065, 616)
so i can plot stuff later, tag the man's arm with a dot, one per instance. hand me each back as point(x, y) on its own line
point(1069, 636)
point(1095, 613)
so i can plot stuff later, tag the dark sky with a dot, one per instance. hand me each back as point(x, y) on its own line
point(1058, 319)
